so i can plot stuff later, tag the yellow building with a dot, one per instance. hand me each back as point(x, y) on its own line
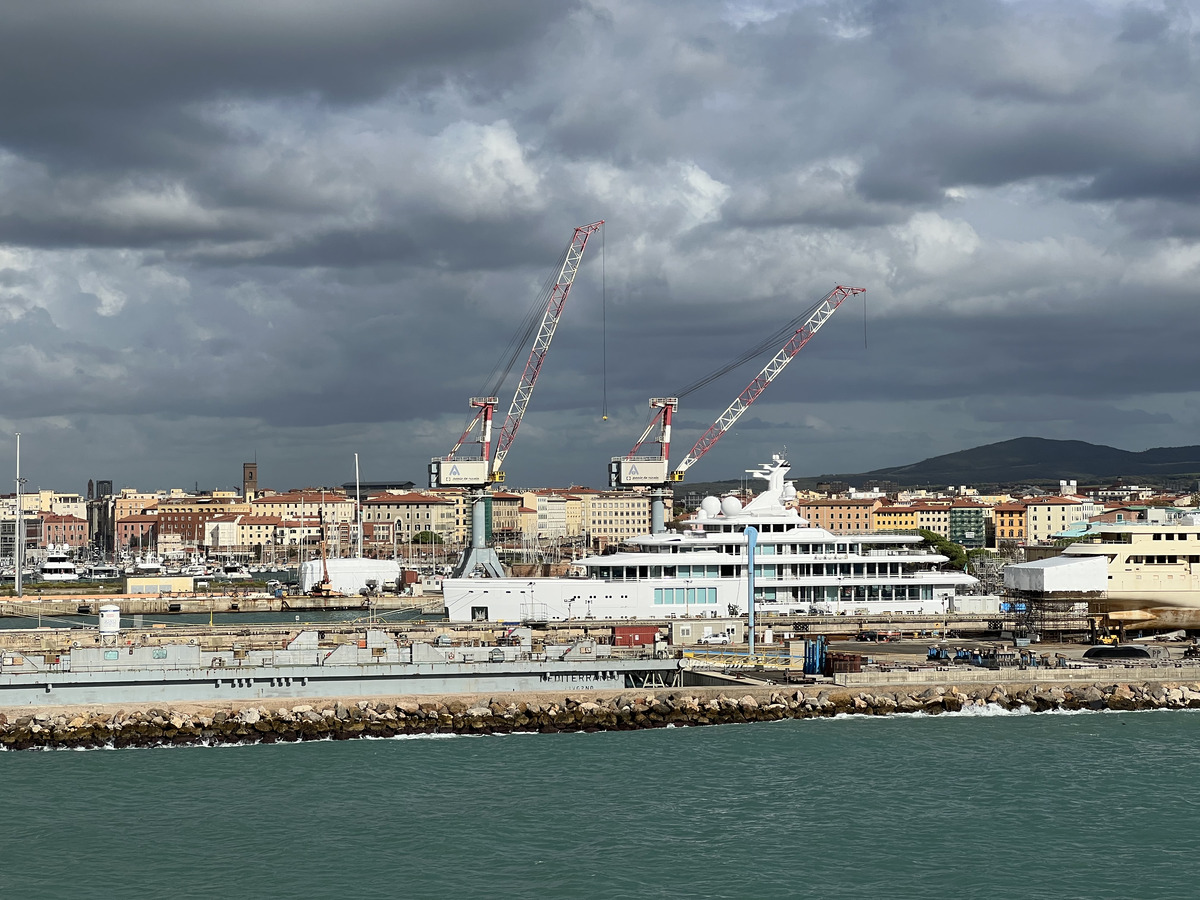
point(1009, 519)
point(159, 584)
point(896, 518)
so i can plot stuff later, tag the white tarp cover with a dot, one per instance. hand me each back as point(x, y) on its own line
point(349, 576)
point(1065, 574)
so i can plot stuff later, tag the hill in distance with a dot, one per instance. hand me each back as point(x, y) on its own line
point(1025, 460)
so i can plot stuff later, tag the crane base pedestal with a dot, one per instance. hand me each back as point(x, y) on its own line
point(484, 558)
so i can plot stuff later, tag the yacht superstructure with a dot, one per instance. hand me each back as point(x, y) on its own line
point(57, 565)
point(703, 571)
point(1153, 571)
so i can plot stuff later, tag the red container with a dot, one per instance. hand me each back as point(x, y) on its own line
point(634, 635)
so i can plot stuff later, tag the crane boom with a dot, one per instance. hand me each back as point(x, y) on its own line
point(826, 308)
point(541, 344)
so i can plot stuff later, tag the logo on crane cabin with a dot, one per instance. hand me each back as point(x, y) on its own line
point(464, 472)
point(643, 471)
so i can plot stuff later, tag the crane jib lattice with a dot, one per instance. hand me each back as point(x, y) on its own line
point(770, 371)
point(541, 343)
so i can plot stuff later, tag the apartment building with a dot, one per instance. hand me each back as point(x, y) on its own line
point(189, 517)
point(933, 517)
point(326, 506)
point(71, 531)
point(1047, 516)
point(968, 523)
point(1009, 520)
point(412, 513)
point(506, 516)
point(140, 530)
point(841, 515)
point(895, 518)
point(612, 517)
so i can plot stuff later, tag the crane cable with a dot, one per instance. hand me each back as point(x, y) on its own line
point(769, 343)
point(603, 329)
point(520, 338)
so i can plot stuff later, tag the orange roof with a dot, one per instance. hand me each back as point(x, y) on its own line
point(840, 503)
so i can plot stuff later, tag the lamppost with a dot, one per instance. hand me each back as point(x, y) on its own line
point(19, 531)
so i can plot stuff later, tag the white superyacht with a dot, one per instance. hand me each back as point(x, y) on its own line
point(702, 571)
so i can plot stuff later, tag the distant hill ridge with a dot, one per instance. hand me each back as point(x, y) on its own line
point(1024, 460)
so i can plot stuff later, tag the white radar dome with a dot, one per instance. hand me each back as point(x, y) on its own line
point(731, 506)
point(789, 491)
point(710, 505)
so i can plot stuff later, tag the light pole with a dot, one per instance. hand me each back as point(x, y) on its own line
point(19, 532)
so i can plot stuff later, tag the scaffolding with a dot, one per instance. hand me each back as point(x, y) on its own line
point(1050, 618)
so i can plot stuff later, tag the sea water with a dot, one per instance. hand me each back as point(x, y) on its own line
point(1091, 805)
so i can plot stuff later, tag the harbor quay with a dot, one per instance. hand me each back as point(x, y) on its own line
point(147, 725)
point(197, 603)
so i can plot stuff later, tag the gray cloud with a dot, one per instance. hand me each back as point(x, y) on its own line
point(304, 231)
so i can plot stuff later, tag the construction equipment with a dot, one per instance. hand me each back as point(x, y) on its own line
point(653, 471)
point(324, 587)
point(476, 472)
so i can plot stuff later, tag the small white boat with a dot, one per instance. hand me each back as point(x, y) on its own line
point(57, 566)
point(148, 565)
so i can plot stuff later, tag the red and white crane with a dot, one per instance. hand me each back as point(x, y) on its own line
point(651, 471)
point(481, 468)
point(477, 471)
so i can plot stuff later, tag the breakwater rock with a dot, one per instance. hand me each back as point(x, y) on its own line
point(184, 724)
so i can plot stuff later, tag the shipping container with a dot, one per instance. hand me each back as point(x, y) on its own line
point(634, 635)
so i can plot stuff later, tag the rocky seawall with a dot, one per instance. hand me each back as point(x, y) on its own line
point(184, 724)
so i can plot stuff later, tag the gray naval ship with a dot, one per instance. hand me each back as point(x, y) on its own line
point(122, 669)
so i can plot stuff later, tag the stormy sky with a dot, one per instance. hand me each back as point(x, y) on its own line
point(293, 231)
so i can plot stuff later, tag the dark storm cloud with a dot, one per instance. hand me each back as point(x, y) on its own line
point(306, 230)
